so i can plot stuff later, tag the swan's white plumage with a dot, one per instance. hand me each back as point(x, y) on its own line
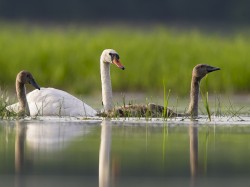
point(54, 102)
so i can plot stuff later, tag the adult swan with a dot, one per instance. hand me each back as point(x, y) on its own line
point(54, 102)
point(109, 56)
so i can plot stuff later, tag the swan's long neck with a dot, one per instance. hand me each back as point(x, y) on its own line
point(21, 96)
point(194, 97)
point(106, 86)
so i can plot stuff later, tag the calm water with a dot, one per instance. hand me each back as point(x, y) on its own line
point(104, 153)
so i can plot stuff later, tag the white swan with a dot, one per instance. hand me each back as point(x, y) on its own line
point(54, 102)
point(109, 56)
point(47, 101)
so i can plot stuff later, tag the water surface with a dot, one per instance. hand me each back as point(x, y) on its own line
point(123, 153)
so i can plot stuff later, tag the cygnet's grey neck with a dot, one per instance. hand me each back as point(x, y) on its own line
point(194, 97)
point(21, 96)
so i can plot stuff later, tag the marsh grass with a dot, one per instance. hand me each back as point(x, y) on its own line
point(205, 98)
point(4, 102)
point(68, 57)
point(165, 100)
point(206, 104)
point(218, 107)
point(234, 112)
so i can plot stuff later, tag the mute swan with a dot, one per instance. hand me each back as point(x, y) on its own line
point(47, 101)
point(153, 110)
point(109, 56)
point(53, 102)
point(22, 78)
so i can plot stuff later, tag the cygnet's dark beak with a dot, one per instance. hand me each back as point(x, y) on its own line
point(33, 83)
point(211, 69)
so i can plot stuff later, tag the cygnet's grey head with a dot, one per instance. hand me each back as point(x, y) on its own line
point(202, 70)
point(26, 77)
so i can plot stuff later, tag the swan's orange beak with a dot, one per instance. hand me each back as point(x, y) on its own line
point(118, 64)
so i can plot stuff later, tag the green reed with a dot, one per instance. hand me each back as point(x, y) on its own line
point(68, 57)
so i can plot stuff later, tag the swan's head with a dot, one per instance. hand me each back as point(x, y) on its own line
point(26, 77)
point(112, 57)
point(201, 70)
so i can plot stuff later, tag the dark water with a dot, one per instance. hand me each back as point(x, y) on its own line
point(103, 154)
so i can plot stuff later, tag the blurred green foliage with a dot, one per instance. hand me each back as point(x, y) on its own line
point(68, 57)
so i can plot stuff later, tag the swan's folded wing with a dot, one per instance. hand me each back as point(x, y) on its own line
point(13, 108)
point(54, 102)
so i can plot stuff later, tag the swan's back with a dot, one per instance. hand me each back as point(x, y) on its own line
point(54, 102)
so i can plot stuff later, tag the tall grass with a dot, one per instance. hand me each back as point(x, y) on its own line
point(68, 58)
point(205, 98)
point(165, 100)
point(4, 102)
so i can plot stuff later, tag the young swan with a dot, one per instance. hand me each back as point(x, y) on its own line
point(22, 78)
point(154, 110)
point(199, 71)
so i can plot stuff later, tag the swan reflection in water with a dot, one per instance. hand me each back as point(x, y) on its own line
point(104, 154)
point(35, 140)
point(193, 144)
point(53, 137)
point(19, 154)
point(50, 138)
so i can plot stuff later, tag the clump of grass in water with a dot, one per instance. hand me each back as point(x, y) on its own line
point(218, 111)
point(148, 114)
point(4, 102)
point(207, 106)
point(234, 112)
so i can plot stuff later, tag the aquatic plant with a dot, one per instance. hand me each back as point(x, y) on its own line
point(4, 102)
point(166, 99)
point(234, 112)
point(205, 99)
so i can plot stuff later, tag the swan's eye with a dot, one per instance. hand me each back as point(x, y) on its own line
point(116, 56)
point(112, 56)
